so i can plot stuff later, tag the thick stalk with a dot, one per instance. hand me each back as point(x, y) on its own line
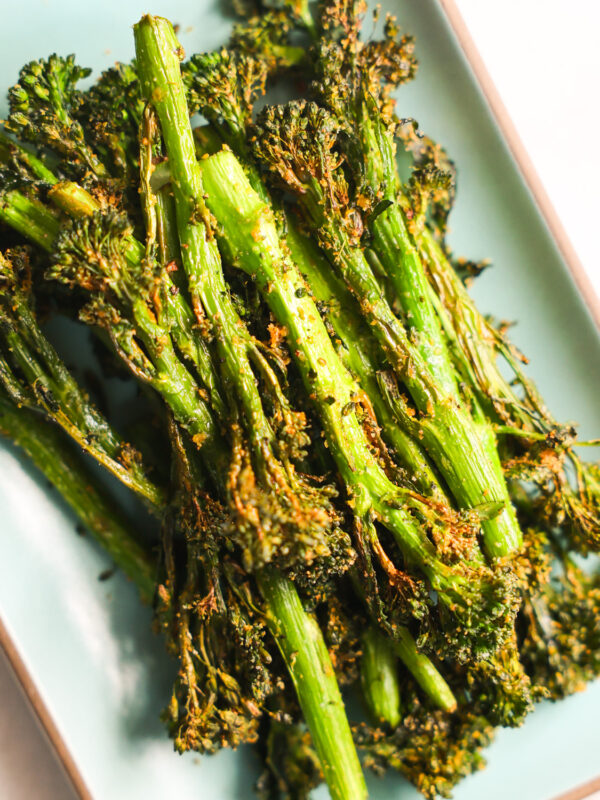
point(46, 446)
point(157, 52)
point(299, 638)
point(30, 218)
point(379, 678)
point(305, 654)
point(400, 258)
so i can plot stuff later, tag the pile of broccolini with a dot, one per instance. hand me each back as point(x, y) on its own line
point(357, 499)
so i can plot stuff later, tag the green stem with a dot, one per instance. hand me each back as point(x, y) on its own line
point(30, 218)
point(73, 199)
point(46, 446)
point(379, 678)
point(360, 359)
point(463, 451)
point(249, 234)
point(51, 388)
point(400, 258)
point(159, 70)
point(303, 649)
point(423, 671)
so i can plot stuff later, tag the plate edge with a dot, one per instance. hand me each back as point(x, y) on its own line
point(581, 792)
point(42, 714)
point(522, 158)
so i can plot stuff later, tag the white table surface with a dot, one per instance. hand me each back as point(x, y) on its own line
point(544, 59)
point(550, 91)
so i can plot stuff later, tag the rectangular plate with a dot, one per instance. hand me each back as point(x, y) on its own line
point(86, 646)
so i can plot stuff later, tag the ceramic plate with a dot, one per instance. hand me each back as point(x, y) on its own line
point(87, 645)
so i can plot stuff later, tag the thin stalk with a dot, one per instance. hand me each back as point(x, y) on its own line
point(160, 78)
point(423, 671)
point(379, 678)
point(50, 387)
point(46, 446)
point(360, 358)
point(400, 259)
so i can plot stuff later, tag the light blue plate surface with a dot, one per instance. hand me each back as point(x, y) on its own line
point(87, 645)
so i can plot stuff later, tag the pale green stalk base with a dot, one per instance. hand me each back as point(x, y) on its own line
point(301, 644)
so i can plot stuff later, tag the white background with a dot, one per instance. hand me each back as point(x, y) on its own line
point(544, 57)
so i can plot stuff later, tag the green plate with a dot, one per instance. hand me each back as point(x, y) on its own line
point(87, 645)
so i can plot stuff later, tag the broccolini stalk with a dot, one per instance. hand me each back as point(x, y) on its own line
point(479, 602)
point(304, 652)
point(296, 143)
point(39, 379)
point(223, 87)
point(47, 447)
point(31, 218)
point(545, 450)
point(276, 506)
point(423, 671)
point(379, 678)
point(354, 80)
point(298, 638)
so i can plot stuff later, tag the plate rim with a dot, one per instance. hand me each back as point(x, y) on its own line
point(42, 715)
